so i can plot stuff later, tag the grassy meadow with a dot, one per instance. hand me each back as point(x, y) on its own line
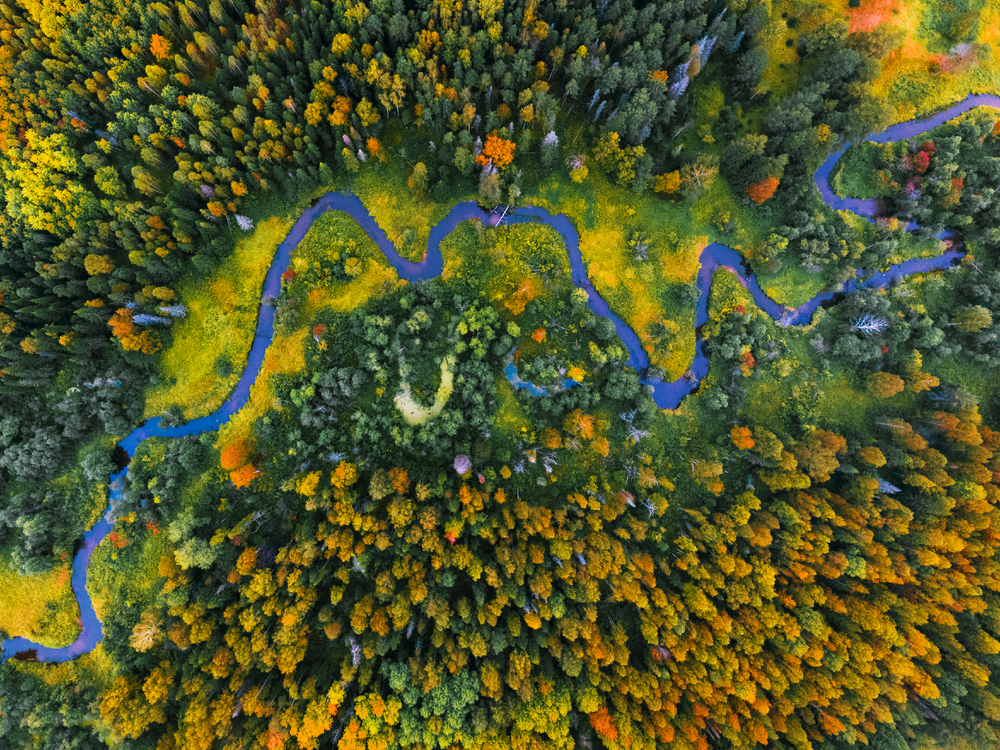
point(41, 607)
point(210, 346)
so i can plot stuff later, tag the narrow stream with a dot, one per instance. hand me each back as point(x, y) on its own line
point(666, 395)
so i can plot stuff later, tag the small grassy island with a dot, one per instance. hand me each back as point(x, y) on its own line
point(500, 375)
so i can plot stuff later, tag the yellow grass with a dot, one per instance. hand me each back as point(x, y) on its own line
point(221, 321)
point(345, 296)
point(376, 276)
point(285, 356)
point(24, 601)
point(127, 576)
point(909, 79)
point(94, 668)
point(781, 76)
point(413, 412)
point(396, 209)
point(678, 231)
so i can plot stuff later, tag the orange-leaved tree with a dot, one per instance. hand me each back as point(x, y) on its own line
point(241, 477)
point(741, 438)
point(159, 46)
point(235, 454)
point(603, 724)
point(884, 384)
point(497, 150)
point(376, 149)
point(761, 191)
point(123, 328)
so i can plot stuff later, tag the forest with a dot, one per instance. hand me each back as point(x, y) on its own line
point(499, 374)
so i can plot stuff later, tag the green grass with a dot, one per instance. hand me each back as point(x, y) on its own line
point(842, 403)
point(645, 292)
point(792, 285)
point(125, 579)
point(384, 191)
point(334, 237)
point(960, 370)
point(216, 336)
point(511, 419)
point(856, 174)
point(498, 262)
point(294, 343)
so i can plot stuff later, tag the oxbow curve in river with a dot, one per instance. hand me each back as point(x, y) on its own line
point(666, 395)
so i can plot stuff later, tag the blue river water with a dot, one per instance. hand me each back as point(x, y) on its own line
point(667, 395)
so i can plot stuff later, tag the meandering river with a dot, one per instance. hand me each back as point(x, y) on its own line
point(666, 395)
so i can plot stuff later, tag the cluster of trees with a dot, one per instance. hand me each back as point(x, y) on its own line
point(493, 570)
point(737, 341)
point(41, 435)
point(577, 584)
point(948, 177)
point(39, 712)
point(373, 355)
point(882, 328)
point(132, 136)
point(376, 581)
point(834, 100)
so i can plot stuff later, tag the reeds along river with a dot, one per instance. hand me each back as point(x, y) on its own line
point(667, 395)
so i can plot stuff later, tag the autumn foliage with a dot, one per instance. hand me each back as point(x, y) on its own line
point(242, 476)
point(884, 384)
point(741, 438)
point(133, 340)
point(761, 191)
point(603, 724)
point(668, 182)
point(235, 458)
point(496, 151)
point(728, 588)
point(235, 454)
point(159, 46)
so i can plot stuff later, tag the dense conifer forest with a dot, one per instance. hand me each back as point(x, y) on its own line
point(499, 375)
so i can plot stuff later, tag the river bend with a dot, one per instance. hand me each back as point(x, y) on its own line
point(667, 395)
